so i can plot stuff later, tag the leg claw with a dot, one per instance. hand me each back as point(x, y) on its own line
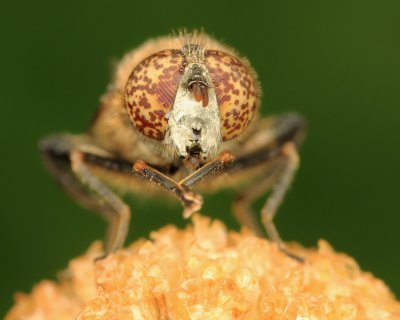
point(192, 203)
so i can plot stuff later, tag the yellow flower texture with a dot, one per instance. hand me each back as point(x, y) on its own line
point(207, 272)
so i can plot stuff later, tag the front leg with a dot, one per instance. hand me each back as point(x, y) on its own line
point(191, 201)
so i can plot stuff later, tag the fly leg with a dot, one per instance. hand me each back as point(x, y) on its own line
point(241, 206)
point(276, 163)
point(279, 190)
point(64, 156)
point(191, 200)
point(288, 162)
point(215, 166)
point(118, 212)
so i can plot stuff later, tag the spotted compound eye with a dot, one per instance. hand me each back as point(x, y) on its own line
point(236, 90)
point(151, 89)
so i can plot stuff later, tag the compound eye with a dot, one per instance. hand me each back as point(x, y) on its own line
point(236, 89)
point(150, 92)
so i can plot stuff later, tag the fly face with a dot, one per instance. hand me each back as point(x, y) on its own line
point(194, 123)
point(192, 99)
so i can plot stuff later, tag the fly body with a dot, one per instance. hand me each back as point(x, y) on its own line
point(180, 111)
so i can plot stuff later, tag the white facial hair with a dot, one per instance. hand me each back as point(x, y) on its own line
point(188, 114)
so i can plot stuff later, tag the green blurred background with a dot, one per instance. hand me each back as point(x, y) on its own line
point(336, 62)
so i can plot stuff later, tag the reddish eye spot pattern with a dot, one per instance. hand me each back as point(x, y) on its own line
point(151, 89)
point(236, 91)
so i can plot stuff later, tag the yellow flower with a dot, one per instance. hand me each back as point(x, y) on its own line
point(206, 272)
